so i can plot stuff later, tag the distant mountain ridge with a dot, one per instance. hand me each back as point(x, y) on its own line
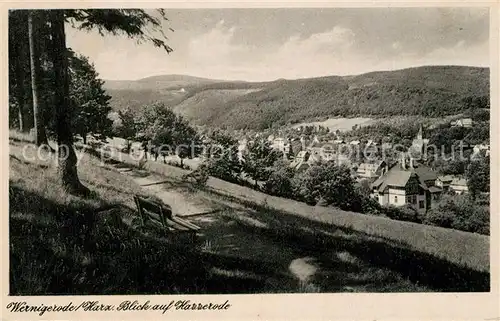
point(432, 91)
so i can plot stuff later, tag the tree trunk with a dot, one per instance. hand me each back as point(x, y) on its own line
point(67, 169)
point(33, 26)
point(21, 92)
point(182, 162)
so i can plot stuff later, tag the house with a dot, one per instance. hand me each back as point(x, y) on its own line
point(444, 181)
point(339, 141)
point(371, 170)
point(477, 149)
point(459, 186)
point(281, 144)
point(464, 122)
point(355, 142)
point(407, 183)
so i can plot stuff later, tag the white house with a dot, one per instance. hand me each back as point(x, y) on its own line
point(371, 170)
point(459, 186)
point(407, 183)
point(464, 122)
point(477, 149)
point(281, 144)
point(444, 181)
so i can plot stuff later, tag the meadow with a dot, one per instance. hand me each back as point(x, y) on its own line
point(63, 244)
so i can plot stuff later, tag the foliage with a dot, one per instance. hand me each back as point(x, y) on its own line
point(458, 212)
point(125, 126)
point(168, 132)
point(258, 158)
point(404, 213)
point(134, 23)
point(432, 91)
point(478, 176)
point(222, 159)
point(89, 102)
point(280, 180)
point(330, 183)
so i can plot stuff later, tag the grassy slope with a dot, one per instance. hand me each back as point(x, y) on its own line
point(52, 258)
point(429, 91)
point(53, 252)
point(436, 241)
point(426, 254)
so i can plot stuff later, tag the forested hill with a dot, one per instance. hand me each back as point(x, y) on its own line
point(429, 91)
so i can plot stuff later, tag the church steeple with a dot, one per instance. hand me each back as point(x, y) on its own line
point(420, 133)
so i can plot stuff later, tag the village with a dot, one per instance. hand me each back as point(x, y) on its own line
point(397, 181)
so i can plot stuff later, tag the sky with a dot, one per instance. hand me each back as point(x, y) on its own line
point(268, 44)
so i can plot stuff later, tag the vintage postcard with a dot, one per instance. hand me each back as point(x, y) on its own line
point(250, 161)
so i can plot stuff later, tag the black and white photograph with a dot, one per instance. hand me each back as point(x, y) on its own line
point(189, 151)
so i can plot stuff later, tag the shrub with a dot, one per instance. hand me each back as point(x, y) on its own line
point(330, 183)
point(404, 213)
point(461, 213)
point(280, 181)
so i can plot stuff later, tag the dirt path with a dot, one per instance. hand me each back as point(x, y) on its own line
point(254, 262)
point(181, 203)
point(223, 236)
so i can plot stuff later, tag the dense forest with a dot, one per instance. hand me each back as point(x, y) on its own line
point(430, 91)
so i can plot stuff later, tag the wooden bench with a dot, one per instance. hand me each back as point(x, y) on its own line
point(161, 216)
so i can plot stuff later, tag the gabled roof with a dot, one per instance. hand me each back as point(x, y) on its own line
point(399, 177)
point(425, 173)
point(459, 182)
point(394, 177)
point(366, 166)
point(445, 178)
point(434, 189)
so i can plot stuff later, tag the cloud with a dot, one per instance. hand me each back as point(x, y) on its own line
point(229, 49)
point(214, 47)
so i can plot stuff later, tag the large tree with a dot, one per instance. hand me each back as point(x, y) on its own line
point(125, 125)
point(170, 133)
point(89, 101)
point(19, 67)
point(35, 20)
point(132, 22)
point(258, 158)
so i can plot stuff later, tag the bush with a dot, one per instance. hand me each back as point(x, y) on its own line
point(404, 213)
point(280, 182)
point(199, 176)
point(330, 183)
point(461, 213)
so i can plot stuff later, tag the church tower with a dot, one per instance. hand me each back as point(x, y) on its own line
point(420, 135)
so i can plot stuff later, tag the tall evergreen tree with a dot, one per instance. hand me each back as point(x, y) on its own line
point(35, 19)
point(132, 22)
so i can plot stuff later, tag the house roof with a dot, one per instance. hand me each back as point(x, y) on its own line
point(425, 173)
point(394, 177)
point(445, 178)
point(369, 166)
point(435, 189)
point(397, 176)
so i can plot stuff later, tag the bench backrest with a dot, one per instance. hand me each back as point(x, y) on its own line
point(149, 210)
